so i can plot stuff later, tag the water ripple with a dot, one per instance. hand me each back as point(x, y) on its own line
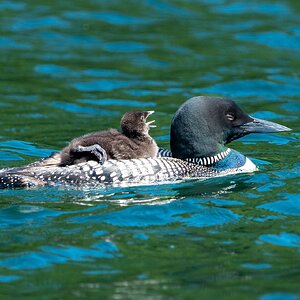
point(20, 215)
point(10, 43)
point(101, 85)
point(127, 46)
point(253, 7)
point(53, 255)
point(290, 206)
point(154, 215)
point(45, 22)
point(74, 108)
point(211, 217)
point(25, 148)
point(277, 40)
point(12, 5)
point(283, 239)
point(118, 102)
point(9, 278)
point(110, 17)
point(279, 296)
point(252, 88)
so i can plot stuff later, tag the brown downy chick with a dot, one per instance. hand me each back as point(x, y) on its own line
point(131, 141)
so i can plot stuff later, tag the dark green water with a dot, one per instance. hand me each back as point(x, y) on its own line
point(68, 68)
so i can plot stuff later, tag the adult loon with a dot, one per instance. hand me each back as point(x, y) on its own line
point(200, 130)
point(132, 141)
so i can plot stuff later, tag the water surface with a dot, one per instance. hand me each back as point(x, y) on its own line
point(71, 68)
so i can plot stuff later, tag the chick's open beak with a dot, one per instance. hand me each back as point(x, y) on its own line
point(150, 123)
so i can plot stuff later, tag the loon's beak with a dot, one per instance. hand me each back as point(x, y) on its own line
point(150, 123)
point(262, 126)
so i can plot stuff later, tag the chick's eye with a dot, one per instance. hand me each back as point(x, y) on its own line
point(230, 116)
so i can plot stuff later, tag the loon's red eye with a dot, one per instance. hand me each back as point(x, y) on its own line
point(230, 116)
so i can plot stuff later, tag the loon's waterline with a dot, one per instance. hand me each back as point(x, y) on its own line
point(117, 172)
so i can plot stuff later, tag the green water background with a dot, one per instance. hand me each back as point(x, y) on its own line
point(68, 68)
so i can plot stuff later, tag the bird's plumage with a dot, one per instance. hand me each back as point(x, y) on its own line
point(200, 129)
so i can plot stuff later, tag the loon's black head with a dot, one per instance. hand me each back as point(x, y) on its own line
point(203, 125)
point(133, 123)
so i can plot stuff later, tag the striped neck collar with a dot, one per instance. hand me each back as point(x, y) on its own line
point(209, 160)
point(204, 161)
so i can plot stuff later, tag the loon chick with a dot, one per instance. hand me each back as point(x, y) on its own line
point(132, 141)
point(200, 129)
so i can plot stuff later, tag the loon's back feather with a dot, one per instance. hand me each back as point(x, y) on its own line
point(113, 171)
